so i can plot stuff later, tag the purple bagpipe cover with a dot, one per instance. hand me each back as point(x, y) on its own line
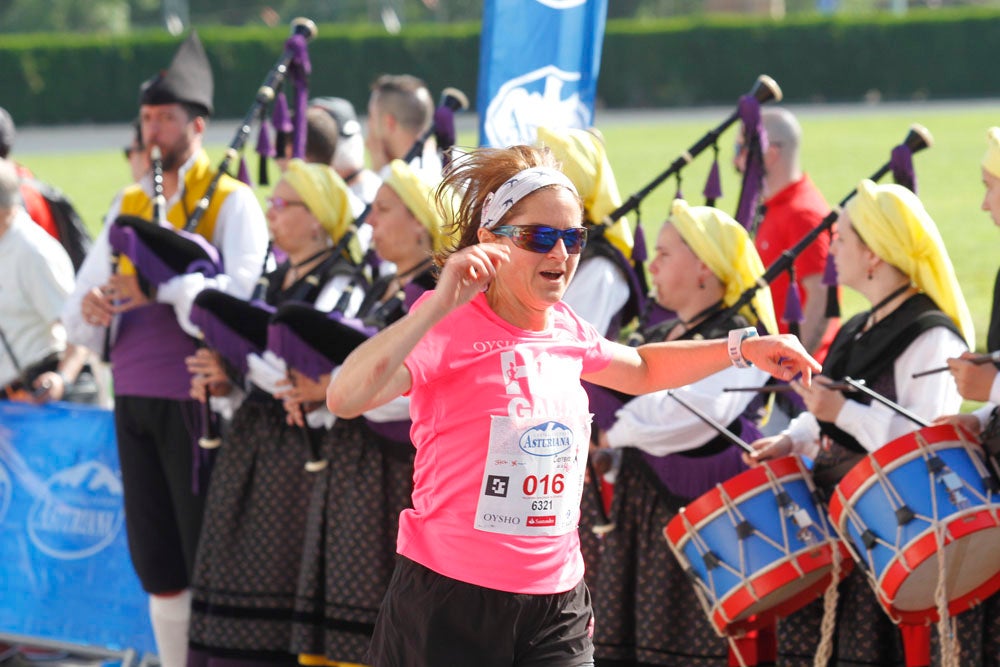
point(311, 341)
point(231, 326)
point(161, 253)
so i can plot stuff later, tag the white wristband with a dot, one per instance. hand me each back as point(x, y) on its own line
point(735, 347)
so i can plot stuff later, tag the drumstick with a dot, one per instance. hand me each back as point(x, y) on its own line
point(782, 388)
point(920, 421)
point(976, 359)
point(722, 430)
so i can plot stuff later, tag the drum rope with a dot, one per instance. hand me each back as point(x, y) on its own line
point(950, 649)
point(701, 590)
point(829, 622)
point(701, 546)
point(736, 518)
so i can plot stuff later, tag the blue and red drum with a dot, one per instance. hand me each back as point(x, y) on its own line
point(926, 494)
point(758, 546)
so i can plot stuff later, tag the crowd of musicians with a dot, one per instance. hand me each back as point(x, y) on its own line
point(439, 409)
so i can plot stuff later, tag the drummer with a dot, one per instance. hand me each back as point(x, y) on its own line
point(649, 613)
point(888, 249)
point(978, 382)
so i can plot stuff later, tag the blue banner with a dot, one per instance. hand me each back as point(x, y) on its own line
point(538, 66)
point(65, 572)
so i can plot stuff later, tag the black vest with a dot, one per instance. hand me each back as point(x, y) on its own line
point(993, 336)
point(708, 329)
point(870, 355)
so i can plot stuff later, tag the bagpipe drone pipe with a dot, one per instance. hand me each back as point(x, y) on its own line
point(764, 90)
point(900, 163)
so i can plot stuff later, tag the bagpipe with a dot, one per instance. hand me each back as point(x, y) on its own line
point(159, 251)
point(443, 126)
point(305, 339)
point(764, 90)
point(900, 163)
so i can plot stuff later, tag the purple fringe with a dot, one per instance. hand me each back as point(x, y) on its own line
point(793, 304)
point(830, 272)
point(299, 70)
point(713, 186)
point(901, 163)
point(755, 138)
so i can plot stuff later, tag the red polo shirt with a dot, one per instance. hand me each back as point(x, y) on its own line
point(790, 215)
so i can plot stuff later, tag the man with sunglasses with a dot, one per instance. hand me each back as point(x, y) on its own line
point(489, 571)
point(164, 474)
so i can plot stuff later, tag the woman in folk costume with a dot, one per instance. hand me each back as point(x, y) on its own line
point(247, 565)
point(978, 382)
point(888, 249)
point(647, 610)
point(350, 548)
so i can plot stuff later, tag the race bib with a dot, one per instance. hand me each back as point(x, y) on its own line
point(534, 476)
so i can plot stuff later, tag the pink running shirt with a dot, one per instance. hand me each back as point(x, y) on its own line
point(488, 398)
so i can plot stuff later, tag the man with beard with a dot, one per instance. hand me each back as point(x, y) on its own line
point(156, 421)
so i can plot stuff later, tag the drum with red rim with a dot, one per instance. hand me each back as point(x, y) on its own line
point(758, 546)
point(925, 493)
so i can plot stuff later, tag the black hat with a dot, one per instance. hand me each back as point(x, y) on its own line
point(6, 132)
point(188, 80)
point(342, 112)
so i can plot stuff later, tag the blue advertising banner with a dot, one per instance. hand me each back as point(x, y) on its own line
point(65, 572)
point(538, 66)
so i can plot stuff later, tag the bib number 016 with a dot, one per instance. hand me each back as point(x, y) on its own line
point(545, 485)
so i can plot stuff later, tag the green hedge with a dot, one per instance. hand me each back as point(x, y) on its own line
point(927, 54)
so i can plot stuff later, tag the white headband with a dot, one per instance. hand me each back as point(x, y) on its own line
point(516, 188)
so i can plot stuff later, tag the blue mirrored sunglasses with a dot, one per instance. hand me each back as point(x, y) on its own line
point(541, 239)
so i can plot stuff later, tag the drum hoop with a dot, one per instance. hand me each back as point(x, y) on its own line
point(924, 546)
point(710, 504)
point(896, 453)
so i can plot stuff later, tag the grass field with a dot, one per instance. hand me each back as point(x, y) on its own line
point(839, 149)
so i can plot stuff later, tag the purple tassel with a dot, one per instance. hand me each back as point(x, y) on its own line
point(280, 116)
point(444, 127)
point(639, 246)
point(244, 173)
point(830, 272)
point(793, 304)
point(901, 163)
point(755, 138)
point(265, 149)
point(713, 186)
point(299, 70)
point(264, 146)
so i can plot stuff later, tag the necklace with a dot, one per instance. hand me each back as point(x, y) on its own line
point(687, 324)
point(404, 276)
point(872, 320)
point(293, 270)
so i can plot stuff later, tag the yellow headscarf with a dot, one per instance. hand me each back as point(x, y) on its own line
point(417, 193)
point(894, 224)
point(991, 161)
point(585, 162)
point(327, 197)
point(725, 247)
